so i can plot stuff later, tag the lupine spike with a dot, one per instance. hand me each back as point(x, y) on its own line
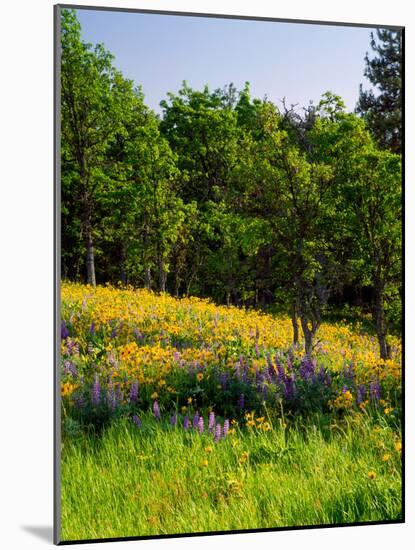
point(201, 425)
point(218, 432)
point(134, 392)
point(96, 392)
point(156, 411)
point(137, 421)
point(211, 424)
point(225, 428)
point(196, 419)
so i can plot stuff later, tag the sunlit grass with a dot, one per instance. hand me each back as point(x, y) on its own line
point(160, 479)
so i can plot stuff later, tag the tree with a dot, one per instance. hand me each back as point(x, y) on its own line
point(368, 204)
point(383, 110)
point(90, 121)
point(290, 192)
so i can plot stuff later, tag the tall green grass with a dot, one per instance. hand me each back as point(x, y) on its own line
point(129, 481)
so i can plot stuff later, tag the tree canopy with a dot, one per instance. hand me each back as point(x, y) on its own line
point(228, 197)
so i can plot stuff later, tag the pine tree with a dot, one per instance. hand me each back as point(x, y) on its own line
point(382, 108)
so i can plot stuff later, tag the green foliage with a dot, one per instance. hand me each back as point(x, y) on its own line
point(225, 196)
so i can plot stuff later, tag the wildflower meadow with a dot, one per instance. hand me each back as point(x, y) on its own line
point(178, 415)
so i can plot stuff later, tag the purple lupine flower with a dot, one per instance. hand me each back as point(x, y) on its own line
point(173, 419)
point(321, 376)
point(374, 389)
point(156, 411)
point(281, 372)
point(90, 348)
point(119, 394)
point(361, 394)
point(111, 399)
point(289, 387)
point(113, 333)
point(241, 402)
point(137, 333)
point(257, 353)
point(225, 428)
point(201, 425)
point(134, 392)
point(92, 328)
point(211, 423)
point(345, 389)
point(80, 401)
point(218, 432)
point(96, 392)
point(306, 368)
point(348, 372)
point(137, 421)
point(186, 422)
point(223, 378)
point(196, 419)
point(69, 368)
point(259, 377)
point(264, 391)
point(64, 331)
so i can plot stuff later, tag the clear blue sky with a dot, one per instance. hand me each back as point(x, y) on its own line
point(292, 60)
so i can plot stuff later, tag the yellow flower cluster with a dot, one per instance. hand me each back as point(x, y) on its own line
point(150, 335)
point(343, 401)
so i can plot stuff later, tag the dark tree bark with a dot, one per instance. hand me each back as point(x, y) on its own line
point(380, 319)
point(294, 321)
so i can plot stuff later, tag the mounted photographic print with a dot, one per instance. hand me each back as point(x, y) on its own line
point(229, 279)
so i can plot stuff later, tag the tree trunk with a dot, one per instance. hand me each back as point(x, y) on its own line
point(90, 257)
point(308, 336)
point(147, 270)
point(147, 277)
point(122, 266)
point(380, 320)
point(294, 321)
point(162, 275)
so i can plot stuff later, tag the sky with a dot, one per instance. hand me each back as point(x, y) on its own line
point(298, 62)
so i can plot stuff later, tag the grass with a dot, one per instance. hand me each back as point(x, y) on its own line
point(159, 479)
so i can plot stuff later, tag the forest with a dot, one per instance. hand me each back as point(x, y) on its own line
point(233, 198)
